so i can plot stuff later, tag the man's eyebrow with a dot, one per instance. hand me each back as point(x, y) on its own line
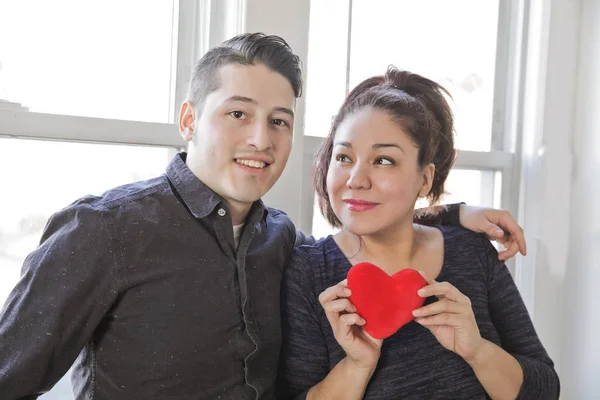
point(245, 99)
point(242, 99)
point(285, 110)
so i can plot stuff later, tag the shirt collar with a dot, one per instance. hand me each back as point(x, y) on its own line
point(199, 198)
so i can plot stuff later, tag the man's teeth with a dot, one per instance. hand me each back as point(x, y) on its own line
point(252, 163)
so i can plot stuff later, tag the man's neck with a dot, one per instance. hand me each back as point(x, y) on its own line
point(238, 211)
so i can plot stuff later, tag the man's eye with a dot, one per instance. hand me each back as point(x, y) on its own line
point(237, 114)
point(280, 122)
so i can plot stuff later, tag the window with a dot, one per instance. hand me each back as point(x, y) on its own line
point(326, 66)
point(469, 46)
point(87, 58)
point(407, 34)
point(451, 42)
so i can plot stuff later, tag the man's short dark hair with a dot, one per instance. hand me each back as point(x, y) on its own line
point(245, 49)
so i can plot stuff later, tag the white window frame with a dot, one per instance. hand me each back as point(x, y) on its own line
point(192, 22)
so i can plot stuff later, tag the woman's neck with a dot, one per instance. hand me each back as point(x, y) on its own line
point(392, 250)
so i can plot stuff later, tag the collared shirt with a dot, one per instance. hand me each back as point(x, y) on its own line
point(143, 288)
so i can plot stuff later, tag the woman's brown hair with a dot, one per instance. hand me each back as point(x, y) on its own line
point(418, 105)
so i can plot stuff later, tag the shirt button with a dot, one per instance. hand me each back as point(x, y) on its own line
point(221, 212)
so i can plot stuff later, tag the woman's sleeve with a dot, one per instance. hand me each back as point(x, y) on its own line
point(304, 360)
point(517, 334)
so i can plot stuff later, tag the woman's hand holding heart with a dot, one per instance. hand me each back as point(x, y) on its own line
point(361, 348)
point(451, 319)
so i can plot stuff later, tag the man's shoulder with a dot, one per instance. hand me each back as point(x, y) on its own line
point(278, 214)
point(130, 193)
point(129, 198)
point(317, 255)
point(281, 220)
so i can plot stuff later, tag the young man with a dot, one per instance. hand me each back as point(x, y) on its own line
point(169, 288)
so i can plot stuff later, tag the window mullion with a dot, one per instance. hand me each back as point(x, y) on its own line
point(26, 124)
point(191, 26)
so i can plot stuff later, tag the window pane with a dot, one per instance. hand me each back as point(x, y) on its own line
point(477, 188)
point(320, 226)
point(107, 59)
point(451, 42)
point(50, 176)
point(326, 67)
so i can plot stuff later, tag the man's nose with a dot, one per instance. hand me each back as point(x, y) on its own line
point(259, 137)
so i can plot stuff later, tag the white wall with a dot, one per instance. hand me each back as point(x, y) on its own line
point(580, 353)
point(561, 202)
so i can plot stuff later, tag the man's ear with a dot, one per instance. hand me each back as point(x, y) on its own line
point(187, 116)
point(428, 175)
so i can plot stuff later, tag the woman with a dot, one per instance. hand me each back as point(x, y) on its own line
point(390, 144)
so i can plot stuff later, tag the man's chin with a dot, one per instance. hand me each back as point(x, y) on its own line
point(247, 197)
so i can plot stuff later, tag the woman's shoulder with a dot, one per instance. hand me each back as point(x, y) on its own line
point(459, 238)
point(468, 250)
point(321, 262)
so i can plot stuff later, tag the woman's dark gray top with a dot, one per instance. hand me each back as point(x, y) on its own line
point(413, 365)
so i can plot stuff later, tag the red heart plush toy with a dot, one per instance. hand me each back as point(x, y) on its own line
point(385, 302)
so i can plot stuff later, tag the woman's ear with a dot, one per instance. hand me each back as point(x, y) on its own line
point(428, 175)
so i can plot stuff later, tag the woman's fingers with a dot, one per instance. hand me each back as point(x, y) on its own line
point(339, 306)
point(333, 292)
point(340, 311)
point(442, 306)
point(430, 281)
point(343, 328)
point(442, 290)
point(447, 319)
point(512, 247)
point(351, 319)
point(435, 288)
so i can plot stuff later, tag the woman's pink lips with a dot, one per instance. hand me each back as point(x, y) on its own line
point(359, 205)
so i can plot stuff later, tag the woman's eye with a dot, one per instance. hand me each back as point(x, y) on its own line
point(237, 114)
point(384, 161)
point(342, 158)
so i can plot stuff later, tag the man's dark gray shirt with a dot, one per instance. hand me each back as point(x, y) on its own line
point(143, 288)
